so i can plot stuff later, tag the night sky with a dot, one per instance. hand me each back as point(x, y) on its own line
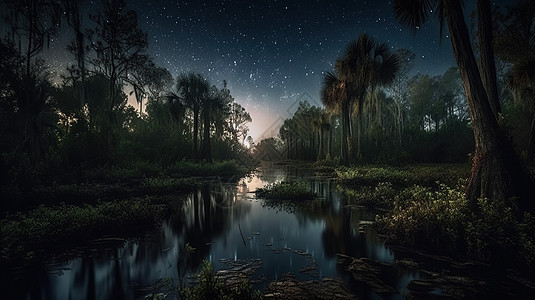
point(273, 52)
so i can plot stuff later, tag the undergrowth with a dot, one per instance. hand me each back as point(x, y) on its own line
point(441, 220)
point(286, 190)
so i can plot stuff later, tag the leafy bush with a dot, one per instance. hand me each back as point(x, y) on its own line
point(443, 221)
point(374, 175)
point(425, 217)
point(326, 166)
point(426, 175)
point(286, 190)
point(225, 168)
point(380, 196)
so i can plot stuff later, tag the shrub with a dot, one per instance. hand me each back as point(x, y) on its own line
point(425, 217)
point(374, 175)
point(286, 190)
point(225, 168)
point(380, 196)
point(443, 220)
point(426, 175)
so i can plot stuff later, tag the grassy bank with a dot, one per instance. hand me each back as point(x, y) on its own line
point(424, 174)
point(95, 202)
point(426, 207)
point(26, 237)
point(106, 183)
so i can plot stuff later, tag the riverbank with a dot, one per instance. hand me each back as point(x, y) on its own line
point(426, 209)
point(329, 236)
point(38, 221)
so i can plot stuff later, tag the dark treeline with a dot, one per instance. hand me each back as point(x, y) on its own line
point(52, 128)
point(417, 119)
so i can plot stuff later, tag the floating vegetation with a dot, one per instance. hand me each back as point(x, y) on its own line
point(286, 190)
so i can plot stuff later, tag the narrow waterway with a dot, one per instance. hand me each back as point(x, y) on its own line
point(227, 225)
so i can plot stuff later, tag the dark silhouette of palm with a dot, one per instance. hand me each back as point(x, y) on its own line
point(193, 89)
point(213, 104)
point(364, 66)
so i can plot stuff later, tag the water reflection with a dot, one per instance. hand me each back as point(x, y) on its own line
point(225, 221)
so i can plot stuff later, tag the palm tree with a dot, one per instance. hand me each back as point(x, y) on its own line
point(364, 66)
point(213, 103)
point(333, 96)
point(496, 170)
point(193, 89)
point(174, 106)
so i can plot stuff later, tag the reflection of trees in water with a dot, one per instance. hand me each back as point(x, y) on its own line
point(198, 219)
point(340, 234)
point(274, 174)
point(204, 216)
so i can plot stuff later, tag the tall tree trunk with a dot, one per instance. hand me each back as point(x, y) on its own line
point(496, 171)
point(360, 126)
point(486, 54)
point(206, 151)
point(195, 132)
point(330, 141)
point(345, 140)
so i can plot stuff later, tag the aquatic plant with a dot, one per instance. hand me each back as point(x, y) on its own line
point(210, 286)
point(286, 190)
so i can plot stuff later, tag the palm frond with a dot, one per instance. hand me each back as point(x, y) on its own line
point(389, 69)
point(331, 91)
point(413, 13)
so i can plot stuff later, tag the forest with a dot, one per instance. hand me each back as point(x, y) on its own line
point(64, 129)
point(444, 164)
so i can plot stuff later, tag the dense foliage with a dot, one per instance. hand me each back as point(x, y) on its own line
point(286, 190)
point(68, 125)
point(26, 236)
point(427, 207)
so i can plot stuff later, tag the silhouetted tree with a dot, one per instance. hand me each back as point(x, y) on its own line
point(32, 23)
point(119, 46)
point(213, 104)
point(515, 45)
point(193, 88)
point(365, 65)
point(496, 171)
point(399, 91)
point(149, 81)
point(334, 97)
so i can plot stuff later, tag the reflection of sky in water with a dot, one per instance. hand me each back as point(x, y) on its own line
point(211, 222)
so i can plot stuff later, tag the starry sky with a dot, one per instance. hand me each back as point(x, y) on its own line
point(273, 53)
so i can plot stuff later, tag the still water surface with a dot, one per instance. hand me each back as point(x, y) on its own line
point(226, 223)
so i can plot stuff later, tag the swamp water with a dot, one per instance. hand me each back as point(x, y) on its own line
point(229, 227)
